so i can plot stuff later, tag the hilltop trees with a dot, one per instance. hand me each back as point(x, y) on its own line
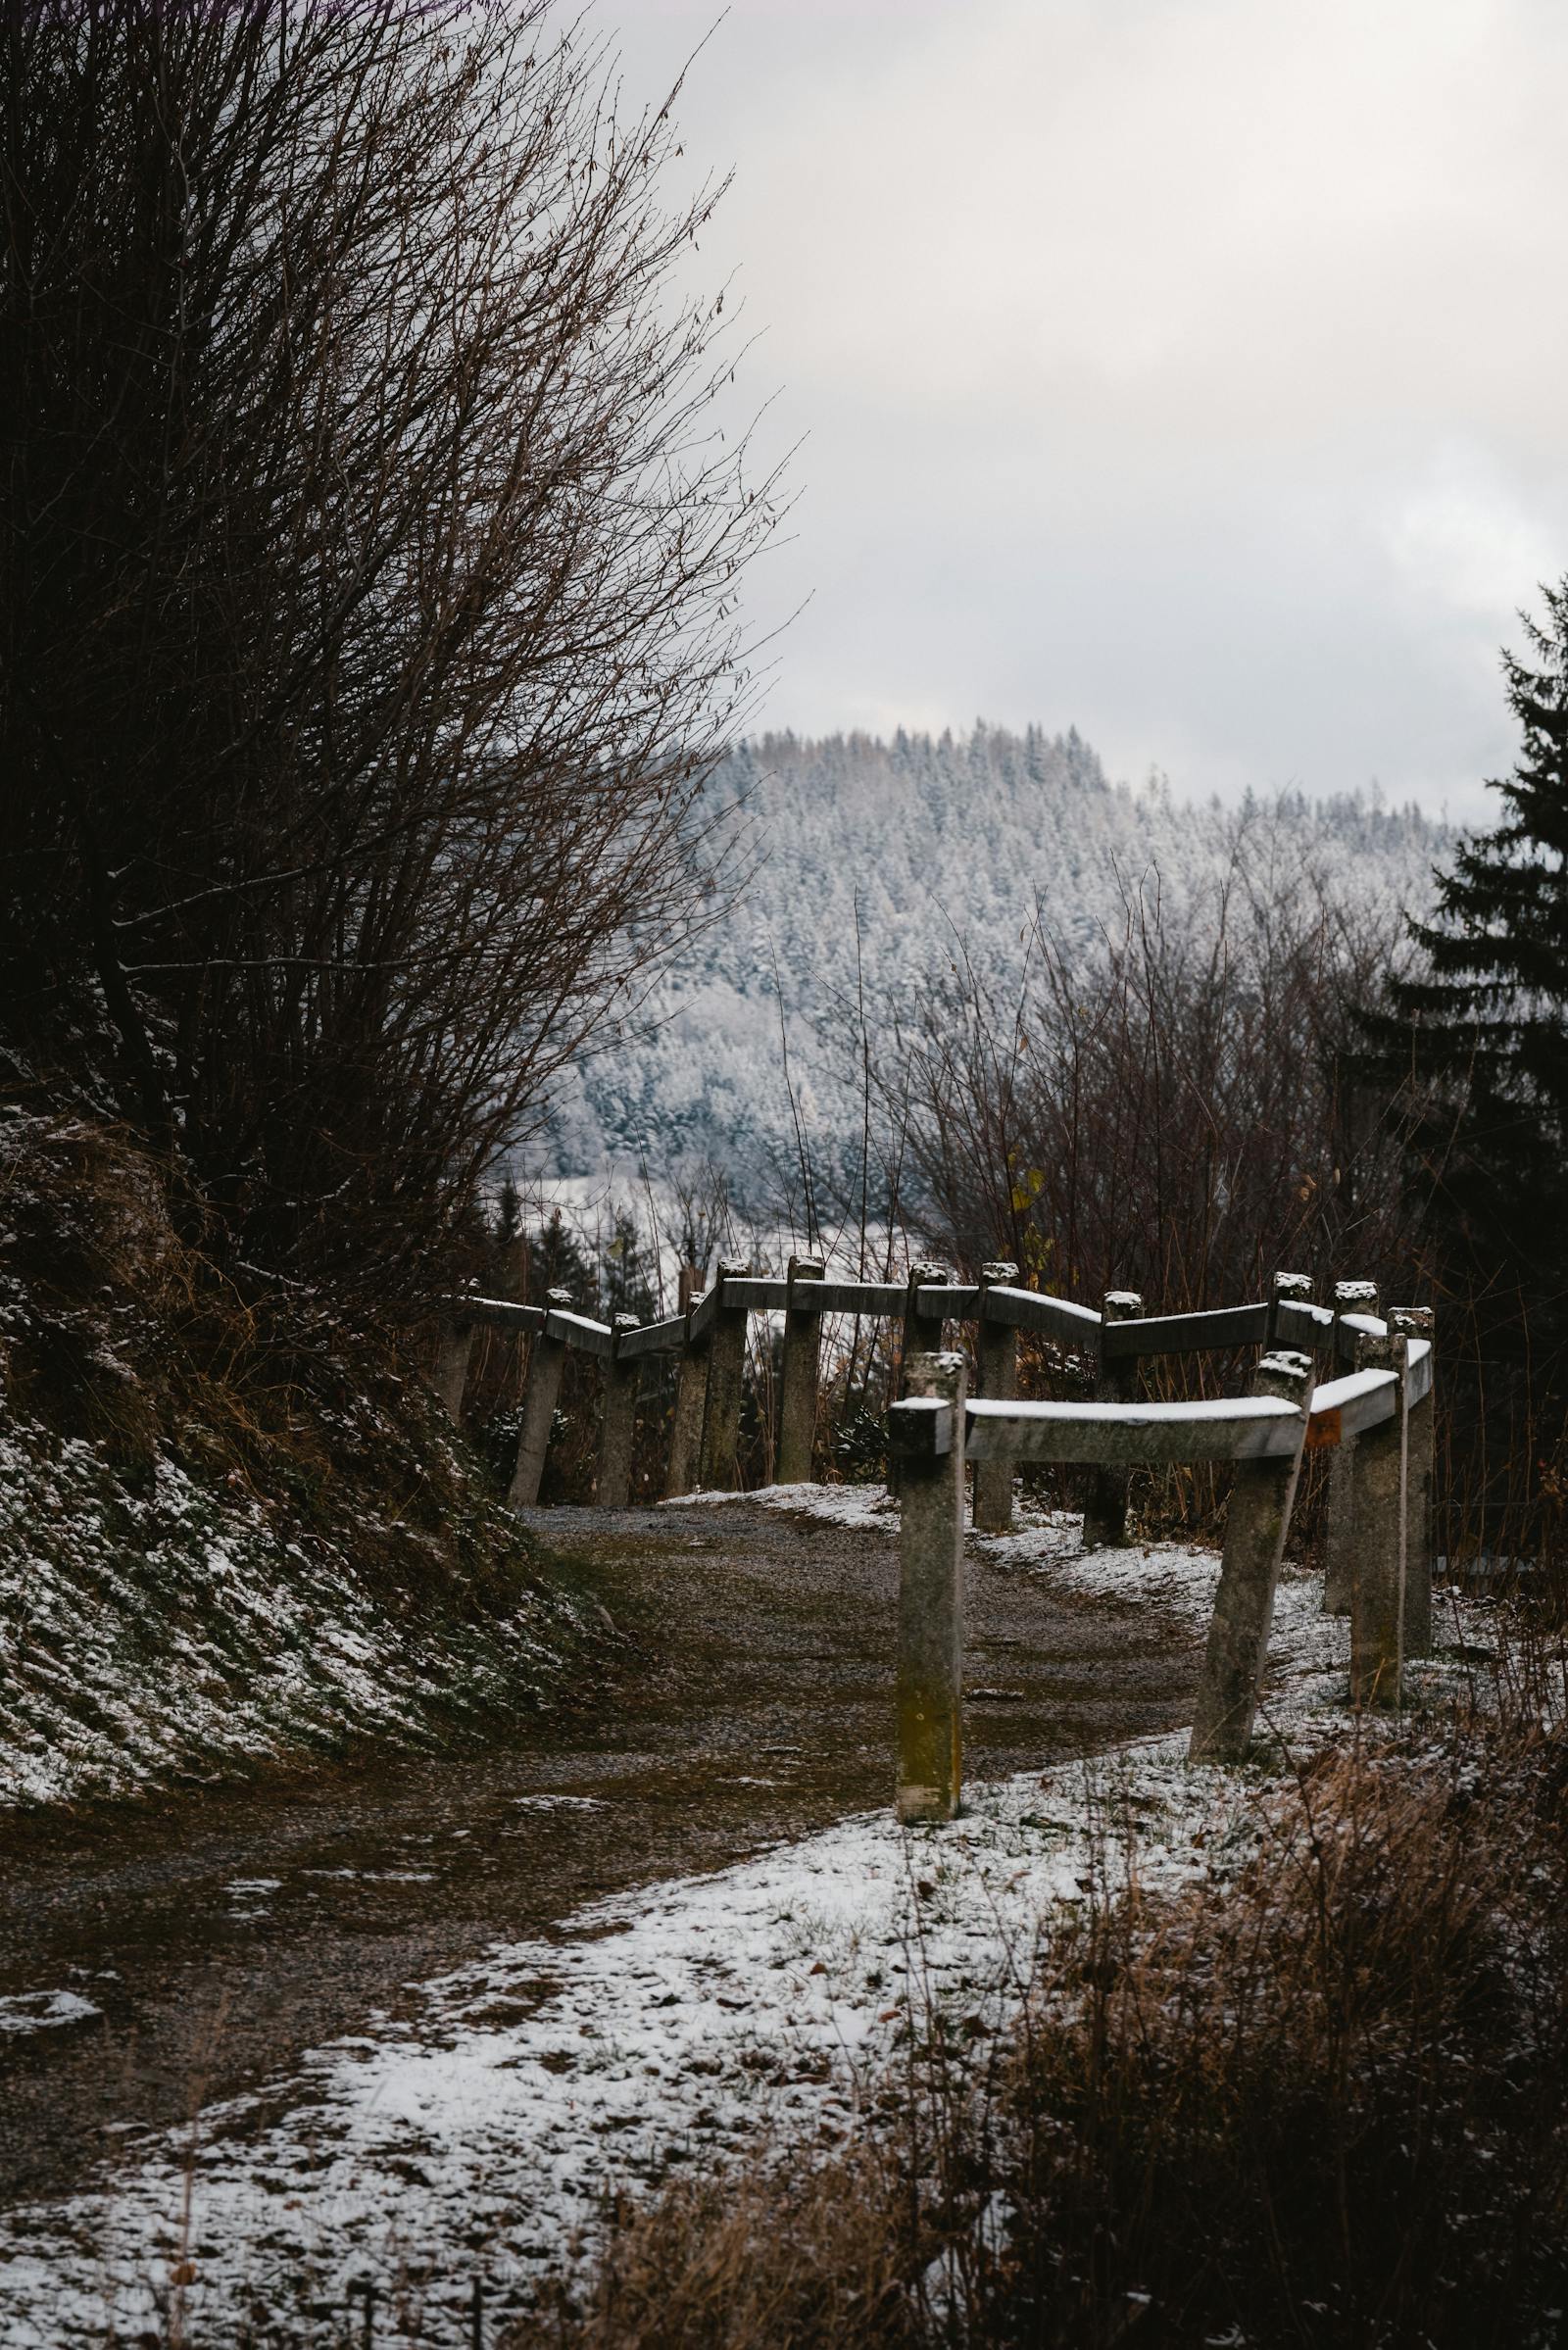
point(1170, 1114)
point(368, 549)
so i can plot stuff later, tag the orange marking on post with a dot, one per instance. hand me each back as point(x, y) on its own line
point(1323, 1431)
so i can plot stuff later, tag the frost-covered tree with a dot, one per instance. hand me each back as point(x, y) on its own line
point(887, 866)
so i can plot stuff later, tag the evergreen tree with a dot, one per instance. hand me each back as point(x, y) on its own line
point(1480, 1037)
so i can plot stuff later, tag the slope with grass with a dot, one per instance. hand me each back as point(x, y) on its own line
point(235, 1533)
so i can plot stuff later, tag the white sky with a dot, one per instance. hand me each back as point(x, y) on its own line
point(1192, 372)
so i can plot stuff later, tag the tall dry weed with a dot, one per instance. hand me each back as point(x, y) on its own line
point(1319, 2102)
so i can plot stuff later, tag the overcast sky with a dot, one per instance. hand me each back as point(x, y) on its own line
point(1194, 372)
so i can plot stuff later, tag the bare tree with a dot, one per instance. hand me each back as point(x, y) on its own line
point(1175, 1111)
point(368, 587)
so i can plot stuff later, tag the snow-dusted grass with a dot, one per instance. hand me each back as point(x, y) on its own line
point(658, 2032)
point(176, 1632)
point(661, 2030)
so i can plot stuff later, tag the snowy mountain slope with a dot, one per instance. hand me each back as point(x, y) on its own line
point(880, 865)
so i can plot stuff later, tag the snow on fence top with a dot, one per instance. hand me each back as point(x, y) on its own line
point(1374, 1418)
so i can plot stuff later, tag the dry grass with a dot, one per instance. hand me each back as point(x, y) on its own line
point(796, 2253)
point(1318, 2104)
point(124, 1330)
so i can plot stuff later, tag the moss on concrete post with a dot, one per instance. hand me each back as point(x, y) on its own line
point(1257, 1523)
point(719, 1470)
point(454, 1354)
point(797, 1405)
point(930, 1671)
point(1420, 1537)
point(539, 1408)
point(1106, 1507)
point(1338, 1533)
point(1377, 1562)
point(617, 1422)
point(997, 1360)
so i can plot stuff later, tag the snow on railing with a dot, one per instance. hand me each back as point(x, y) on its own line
point(1375, 1419)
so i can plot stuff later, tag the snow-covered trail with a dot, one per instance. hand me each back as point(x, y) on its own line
point(476, 2131)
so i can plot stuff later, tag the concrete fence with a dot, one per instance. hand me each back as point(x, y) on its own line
point(1374, 1415)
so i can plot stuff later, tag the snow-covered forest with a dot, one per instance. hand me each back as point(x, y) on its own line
point(783, 1515)
point(880, 868)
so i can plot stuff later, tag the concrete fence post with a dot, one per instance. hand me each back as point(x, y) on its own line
point(1377, 1561)
point(922, 1333)
point(797, 1403)
point(1106, 1505)
point(1294, 1289)
point(719, 1470)
point(617, 1424)
point(921, 1336)
point(1257, 1523)
point(997, 1361)
point(691, 1393)
point(1338, 1533)
point(539, 1408)
point(454, 1354)
point(1420, 1544)
point(930, 1668)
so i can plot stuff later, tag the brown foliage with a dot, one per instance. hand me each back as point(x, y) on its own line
point(1167, 1111)
point(810, 2255)
point(122, 1331)
point(1317, 2104)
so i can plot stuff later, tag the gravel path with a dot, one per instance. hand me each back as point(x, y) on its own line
point(203, 1945)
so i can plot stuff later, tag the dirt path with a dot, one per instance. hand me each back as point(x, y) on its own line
point(749, 1700)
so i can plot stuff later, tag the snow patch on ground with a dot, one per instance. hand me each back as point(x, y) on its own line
point(660, 2030)
point(43, 2011)
point(482, 2130)
point(856, 1505)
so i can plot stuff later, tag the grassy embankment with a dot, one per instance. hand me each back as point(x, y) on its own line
point(235, 1533)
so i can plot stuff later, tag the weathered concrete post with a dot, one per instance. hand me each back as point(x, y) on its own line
point(539, 1408)
point(1106, 1508)
point(1377, 1565)
point(1255, 1526)
point(997, 1360)
point(1420, 1546)
point(618, 1425)
point(719, 1470)
point(1294, 1289)
point(1338, 1533)
point(453, 1353)
point(691, 1393)
point(797, 1403)
point(922, 1333)
point(921, 1336)
point(930, 1678)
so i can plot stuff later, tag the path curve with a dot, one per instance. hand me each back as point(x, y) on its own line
point(748, 1699)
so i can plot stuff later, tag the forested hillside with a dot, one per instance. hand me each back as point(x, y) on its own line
point(882, 866)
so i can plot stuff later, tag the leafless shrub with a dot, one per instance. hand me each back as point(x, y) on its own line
point(367, 589)
point(1170, 1112)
